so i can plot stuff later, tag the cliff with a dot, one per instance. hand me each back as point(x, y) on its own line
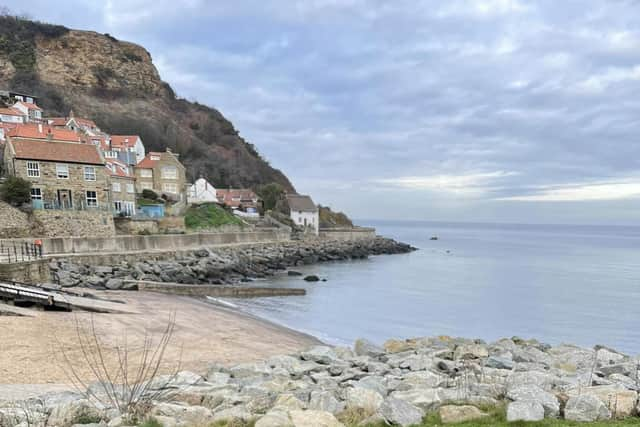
point(116, 84)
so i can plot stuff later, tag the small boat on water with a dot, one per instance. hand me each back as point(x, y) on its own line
point(434, 238)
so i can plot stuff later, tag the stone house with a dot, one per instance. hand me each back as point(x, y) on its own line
point(304, 212)
point(163, 173)
point(63, 175)
point(123, 191)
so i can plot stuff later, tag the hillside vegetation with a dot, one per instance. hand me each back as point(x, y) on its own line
point(209, 215)
point(116, 84)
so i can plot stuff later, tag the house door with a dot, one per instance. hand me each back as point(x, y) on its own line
point(64, 199)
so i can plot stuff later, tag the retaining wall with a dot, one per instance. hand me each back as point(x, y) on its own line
point(347, 234)
point(155, 243)
point(31, 272)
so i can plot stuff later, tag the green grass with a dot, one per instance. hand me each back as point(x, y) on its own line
point(209, 215)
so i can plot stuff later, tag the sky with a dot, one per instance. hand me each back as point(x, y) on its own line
point(458, 110)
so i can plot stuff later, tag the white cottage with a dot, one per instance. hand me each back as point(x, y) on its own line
point(304, 212)
point(202, 192)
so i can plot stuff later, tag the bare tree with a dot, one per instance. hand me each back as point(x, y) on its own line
point(119, 378)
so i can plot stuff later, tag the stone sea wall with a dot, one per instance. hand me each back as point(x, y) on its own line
point(223, 265)
point(397, 384)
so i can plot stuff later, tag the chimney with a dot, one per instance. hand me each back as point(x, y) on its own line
point(49, 135)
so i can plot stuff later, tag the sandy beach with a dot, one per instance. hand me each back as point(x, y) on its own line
point(39, 350)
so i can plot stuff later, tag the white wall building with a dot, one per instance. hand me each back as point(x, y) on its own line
point(202, 192)
point(304, 212)
point(11, 115)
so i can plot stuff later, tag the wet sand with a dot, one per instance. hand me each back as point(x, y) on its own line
point(40, 349)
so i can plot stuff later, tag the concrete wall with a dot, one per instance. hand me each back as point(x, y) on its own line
point(347, 234)
point(32, 272)
point(216, 290)
point(159, 242)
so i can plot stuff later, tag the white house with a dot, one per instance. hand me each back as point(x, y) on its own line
point(32, 112)
point(304, 212)
point(128, 144)
point(202, 192)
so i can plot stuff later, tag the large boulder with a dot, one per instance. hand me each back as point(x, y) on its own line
point(326, 401)
point(524, 410)
point(586, 407)
point(321, 354)
point(471, 351)
point(531, 392)
point(398, 412)
point(275, 418)
point(452, 414)
point(362, 398)
point(314, 419)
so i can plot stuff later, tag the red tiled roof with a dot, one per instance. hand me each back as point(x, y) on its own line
point(57, 121)
point(246, 196)
point(11, 112)
point(52, 151)
point(147, 163)
point(123, 140)
point(35, 131)
point(29, 105)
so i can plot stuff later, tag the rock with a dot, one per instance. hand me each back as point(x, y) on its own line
point(427, 399)
point(498, 362)
point(399, 412)
point(533, 393)
point(114, 284)
point(325, 401)
point(293, 273)
point(68, 412)
point(609, 357)
point(470, 351)
point(288, 401)
point(312, 278)
point(314, 419)
point(450, 414)
point(275, 418)
point(620, 402)
point(363, 347)
point(397, 346)
point(363, 398)
point(235, 413)
point(374, 383)
point(525, 410)
point(586, 407)
point(320, 354)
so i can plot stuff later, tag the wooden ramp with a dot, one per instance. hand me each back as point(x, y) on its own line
point(25, 295)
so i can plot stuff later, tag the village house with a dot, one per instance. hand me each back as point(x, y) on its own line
point(163, 173)
point(11, 115)
point(31, 111)
point(123, 192)
point(44, 132)
point(242, 199)
point(304, 212)
point(126, 148)
point(63, 175)
point(202, 191)
point(74, 123)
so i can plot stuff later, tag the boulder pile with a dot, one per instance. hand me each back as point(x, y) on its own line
point(222, 265)
point(398, 384)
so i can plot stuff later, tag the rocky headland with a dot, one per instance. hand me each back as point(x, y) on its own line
point(222, 265)
point(398, 384)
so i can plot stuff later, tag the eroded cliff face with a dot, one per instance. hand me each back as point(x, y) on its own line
point(116, 84)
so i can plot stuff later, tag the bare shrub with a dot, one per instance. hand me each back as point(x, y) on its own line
point(123, 376)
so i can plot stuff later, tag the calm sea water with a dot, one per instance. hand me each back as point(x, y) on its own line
point(576, 284)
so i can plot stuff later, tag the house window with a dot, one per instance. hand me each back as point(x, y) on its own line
point(92, 199)
point(33, 169)
point(111, 154)
point(169, 172)
point(89, 173)
point(146, 173)
point(117, 206)
point(155, 158)
point(146, 185)
point(170, 187)
point(130, 188)
point(62, 171)
point(115, 187)
point(36, 194)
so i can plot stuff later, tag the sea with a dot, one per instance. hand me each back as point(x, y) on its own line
point(554, 283)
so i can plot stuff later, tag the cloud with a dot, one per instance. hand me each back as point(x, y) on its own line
point(598, 191)
point(470, 184)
